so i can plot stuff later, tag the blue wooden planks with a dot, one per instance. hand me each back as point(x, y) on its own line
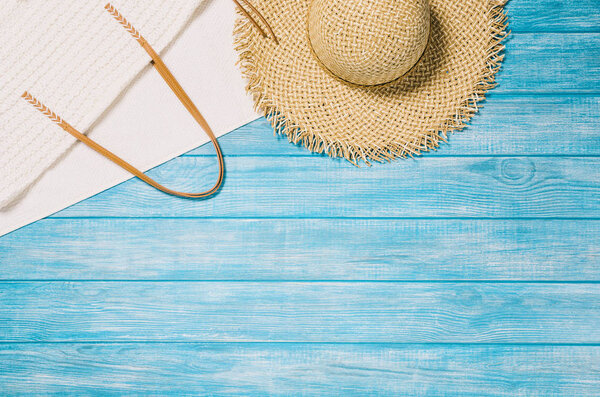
point(256, 187)
point(299, 369)
point(550, 63)
point(303, 249)
point(553, 15)
point(390, 312)
point(471, 271)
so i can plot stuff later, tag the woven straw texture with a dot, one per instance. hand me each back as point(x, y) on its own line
point(397, 36)
point(373, 123)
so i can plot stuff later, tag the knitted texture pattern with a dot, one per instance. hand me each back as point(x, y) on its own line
point(76, 59)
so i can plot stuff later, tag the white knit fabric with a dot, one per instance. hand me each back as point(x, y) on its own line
point(75, 58)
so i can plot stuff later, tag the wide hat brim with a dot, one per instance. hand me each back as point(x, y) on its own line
point(412, 114)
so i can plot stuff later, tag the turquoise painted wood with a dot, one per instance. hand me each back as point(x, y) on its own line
point(551, 63)
point(248, 311)
point(304, 249)
point(553, 16)
point(473, 270)
point(259, 187)
point(299, 369)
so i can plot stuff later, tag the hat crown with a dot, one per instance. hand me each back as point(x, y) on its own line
point(368, 42)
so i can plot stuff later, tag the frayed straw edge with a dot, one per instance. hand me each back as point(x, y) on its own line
point(420, 143)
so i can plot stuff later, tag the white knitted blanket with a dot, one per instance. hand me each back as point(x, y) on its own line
point(75, 58)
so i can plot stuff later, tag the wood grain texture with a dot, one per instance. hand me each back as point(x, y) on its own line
point(471, 271)
point(507, 125)
point(310, 187)
point(303, 249)
point(391, 312)
point(550, 63)
point(554, 15)
point(299, 369)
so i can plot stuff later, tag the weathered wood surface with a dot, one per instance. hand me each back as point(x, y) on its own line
point(299, 369)
point(554, 15)
point(255, 187)
point(303, 249)
point(550, 63)
point(471, 271)
point(391, 312)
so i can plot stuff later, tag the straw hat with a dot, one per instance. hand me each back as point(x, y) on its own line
point(371, 80)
